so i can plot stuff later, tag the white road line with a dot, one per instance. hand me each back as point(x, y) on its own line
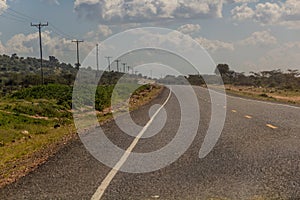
point(105, 183)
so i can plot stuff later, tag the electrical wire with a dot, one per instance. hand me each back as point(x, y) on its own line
point(22, 14)
point(60, 32)
point(18, 16)
point(11, 18)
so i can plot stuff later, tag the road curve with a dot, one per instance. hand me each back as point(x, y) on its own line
point(257, 156)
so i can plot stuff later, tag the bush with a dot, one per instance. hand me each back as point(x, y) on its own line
point(264, 95)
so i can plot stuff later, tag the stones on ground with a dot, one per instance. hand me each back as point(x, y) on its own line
point(25, 132)
point(56, 126)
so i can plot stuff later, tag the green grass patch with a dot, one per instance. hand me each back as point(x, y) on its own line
point(33, 119)
point(12, 126)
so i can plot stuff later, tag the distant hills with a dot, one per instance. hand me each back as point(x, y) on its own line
point(16, 72)
point(19, 72)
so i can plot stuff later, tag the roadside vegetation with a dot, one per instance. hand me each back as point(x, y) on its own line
point(273, 85)
point(36, 120)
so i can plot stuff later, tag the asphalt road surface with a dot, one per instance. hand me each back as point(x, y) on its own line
point(256, 157)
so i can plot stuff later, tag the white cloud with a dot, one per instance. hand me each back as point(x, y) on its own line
point(146, 10)
point(291, 10)
point(240, 1)
point(242, 12)
point(170, 39)
point(270, 13)
point(214, 45)
point(2, 49)
point(99, 33)
point(189, 28)
point(28, 45)
point(3, 6)
point(259, 38)
point(285, 56)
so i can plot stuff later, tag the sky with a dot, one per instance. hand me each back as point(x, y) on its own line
point(249, 35)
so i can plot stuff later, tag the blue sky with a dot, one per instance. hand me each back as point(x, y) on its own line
point(250, 35)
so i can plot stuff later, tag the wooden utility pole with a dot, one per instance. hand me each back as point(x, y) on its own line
point(108, 60)
point(117, 61)
point(124, 67)
point(97, 56)
point(77, 45)
point(39, 26)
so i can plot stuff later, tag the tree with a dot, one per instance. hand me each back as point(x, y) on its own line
point(222, 69)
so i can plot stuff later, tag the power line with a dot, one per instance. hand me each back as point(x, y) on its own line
point(60, 32)
point(22, 14)
point(15, 16)
point(53, 31)
point(39, 26)
point(24, 17)
point(3, 16)
point(11, 18)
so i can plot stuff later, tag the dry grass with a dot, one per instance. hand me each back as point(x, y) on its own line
point(270, 94)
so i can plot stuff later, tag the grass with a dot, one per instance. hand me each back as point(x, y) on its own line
point(34, 122)
point(23, 155)
point(266, 94)
point(12, 126)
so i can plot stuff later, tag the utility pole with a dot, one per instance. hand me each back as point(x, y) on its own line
point(39, 26)
point(117, 61)
point(124, 67)
point(97, 59)
point(97, 56)
point(77, 45)
point(108, 60)
point(128, 69)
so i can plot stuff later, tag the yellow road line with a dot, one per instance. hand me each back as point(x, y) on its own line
point(248, 116)
point(271, 126)
point(234, 111)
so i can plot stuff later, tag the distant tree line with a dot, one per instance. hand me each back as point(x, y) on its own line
point(273, 78)
point(19, 72)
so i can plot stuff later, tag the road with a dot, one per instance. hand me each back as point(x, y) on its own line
point(256, 157)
